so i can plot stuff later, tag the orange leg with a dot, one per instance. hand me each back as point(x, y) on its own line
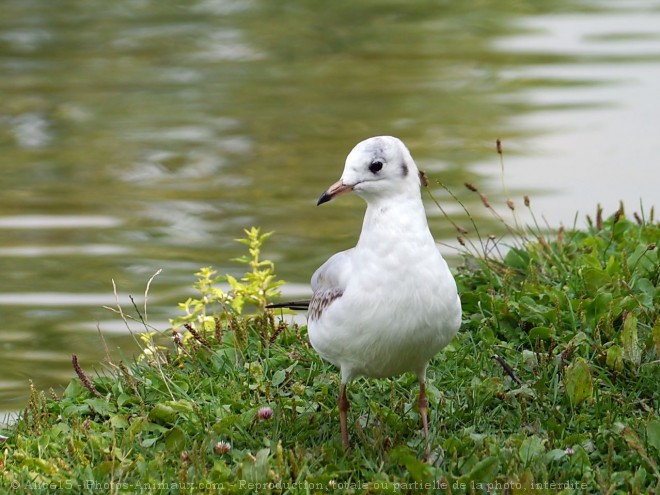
point(343, 416)
point(423, 405)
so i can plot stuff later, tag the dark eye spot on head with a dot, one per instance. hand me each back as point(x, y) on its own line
point(423, 178)
point(375, 166)
point(404, 169)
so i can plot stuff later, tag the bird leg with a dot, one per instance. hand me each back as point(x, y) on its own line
point(423, 405)
point(343, 416)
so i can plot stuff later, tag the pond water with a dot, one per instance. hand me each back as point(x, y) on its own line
point(138, 135)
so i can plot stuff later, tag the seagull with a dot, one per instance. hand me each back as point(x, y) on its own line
point(390, 304)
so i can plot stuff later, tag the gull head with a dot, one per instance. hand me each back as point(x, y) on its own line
point(377, 168)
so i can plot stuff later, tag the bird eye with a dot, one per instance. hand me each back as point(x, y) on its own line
point(375, 166)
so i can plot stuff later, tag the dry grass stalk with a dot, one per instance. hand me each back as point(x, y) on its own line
point(278, 330)
point(83, 377)
point(218, 330)
point(560, 236)
point(197, 336)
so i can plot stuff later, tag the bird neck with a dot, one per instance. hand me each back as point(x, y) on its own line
point(392, 218)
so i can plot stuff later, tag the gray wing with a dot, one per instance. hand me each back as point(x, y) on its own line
point(329, 282)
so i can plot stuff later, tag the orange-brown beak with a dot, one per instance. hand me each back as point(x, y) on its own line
point(334, 190)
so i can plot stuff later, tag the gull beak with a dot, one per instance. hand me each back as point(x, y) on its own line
point(334, 190)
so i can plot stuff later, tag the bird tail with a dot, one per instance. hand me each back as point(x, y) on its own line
point(295, 305)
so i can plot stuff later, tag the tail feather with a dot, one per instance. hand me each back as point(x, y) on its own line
point(295, 305)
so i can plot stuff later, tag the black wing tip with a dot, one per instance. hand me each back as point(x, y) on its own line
point(295, 305)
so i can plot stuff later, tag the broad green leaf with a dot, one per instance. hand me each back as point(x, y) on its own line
point(175, 439)
point(517, 258)
point(73, 389)
point(542, 333)
point(647, 289)
point(531, 448)
point(612, 266)
point(255, 469)
point(578, 382)
point(643, 259)
point(101, 406)
point(135, 428)
point(525, 484)
point(102, 469)
point(149, 442)
point(594, 278)
point(119, 422)
point(48, 467)
point(278, 378)
point(183, 406)
point(601, 304)
point(163, 414)
point(653, 433)
point(125, 398)
point(555, 455)
point(76, 410)
point(614, 358)
point(484, 470)
point(227, 425)
point(420, 471)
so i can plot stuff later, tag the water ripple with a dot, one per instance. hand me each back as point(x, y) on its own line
point(58, 221)
point(88, 249)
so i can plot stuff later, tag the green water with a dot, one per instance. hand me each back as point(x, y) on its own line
point(139, 135)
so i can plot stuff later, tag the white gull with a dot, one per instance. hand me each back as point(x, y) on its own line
point(390, 304)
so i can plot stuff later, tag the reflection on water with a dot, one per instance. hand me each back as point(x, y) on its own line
point(57, 222)
point(596, 125)
point(143, 135)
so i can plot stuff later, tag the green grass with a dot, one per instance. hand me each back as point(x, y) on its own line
point(552, 385)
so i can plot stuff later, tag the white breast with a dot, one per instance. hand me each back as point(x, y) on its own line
point(398, 306)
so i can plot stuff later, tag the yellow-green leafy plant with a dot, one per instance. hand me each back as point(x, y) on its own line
point(255, 288)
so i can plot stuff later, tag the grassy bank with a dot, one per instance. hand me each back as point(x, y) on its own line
point(552, 385)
